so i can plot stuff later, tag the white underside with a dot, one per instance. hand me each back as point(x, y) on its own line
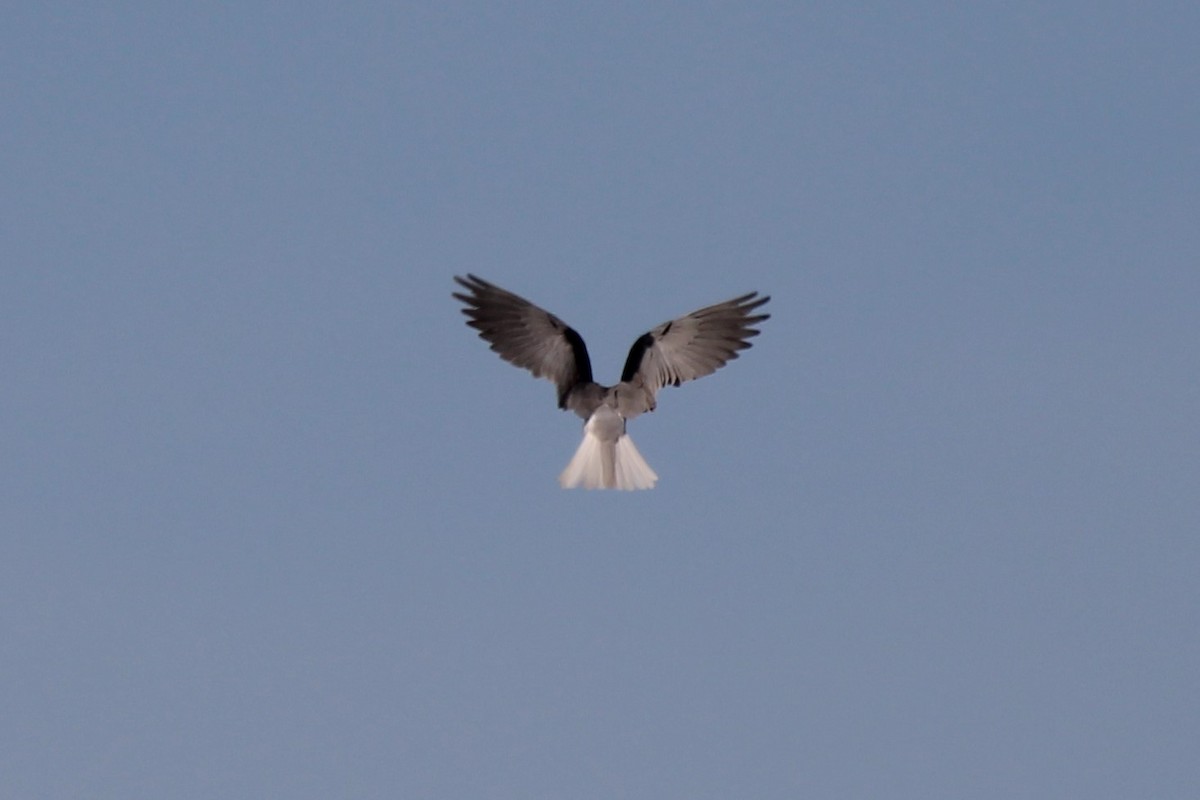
point(602, 462)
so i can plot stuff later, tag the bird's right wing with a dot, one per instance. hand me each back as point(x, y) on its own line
point(694, 345)
point(525, 335)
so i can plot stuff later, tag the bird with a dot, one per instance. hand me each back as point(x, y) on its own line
point(682, 349)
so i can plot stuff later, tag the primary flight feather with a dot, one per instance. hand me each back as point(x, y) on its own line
point(683, 349)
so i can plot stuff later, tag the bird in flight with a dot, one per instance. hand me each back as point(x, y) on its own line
point(689, 347)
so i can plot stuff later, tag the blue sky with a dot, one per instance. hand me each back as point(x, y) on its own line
point(274, 523)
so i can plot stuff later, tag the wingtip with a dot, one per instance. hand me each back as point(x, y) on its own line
point(753, 300)
point(748, 301)
point(475, 285)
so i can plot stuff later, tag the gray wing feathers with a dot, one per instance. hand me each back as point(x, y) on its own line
point(695, 345)
point(525, 335)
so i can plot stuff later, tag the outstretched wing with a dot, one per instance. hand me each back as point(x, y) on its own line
point(695, 345)
point(525, 335)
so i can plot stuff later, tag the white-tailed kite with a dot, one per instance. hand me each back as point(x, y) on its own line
point(692, 346)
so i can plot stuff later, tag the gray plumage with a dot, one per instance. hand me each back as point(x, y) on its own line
point(680, 350)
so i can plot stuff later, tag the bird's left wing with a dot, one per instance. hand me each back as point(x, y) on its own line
point(525, 335)
point(694, 345)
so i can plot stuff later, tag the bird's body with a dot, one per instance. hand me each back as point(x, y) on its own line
point(680, 350)
point(629, 399)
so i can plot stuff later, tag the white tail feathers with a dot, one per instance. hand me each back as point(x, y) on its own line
point(605, 462)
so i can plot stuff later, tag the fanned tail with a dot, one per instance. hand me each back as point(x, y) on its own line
point(604, 462)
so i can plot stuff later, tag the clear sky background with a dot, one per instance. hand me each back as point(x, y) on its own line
point(275, 523)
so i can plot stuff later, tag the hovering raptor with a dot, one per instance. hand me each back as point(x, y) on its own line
point(689, 347)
